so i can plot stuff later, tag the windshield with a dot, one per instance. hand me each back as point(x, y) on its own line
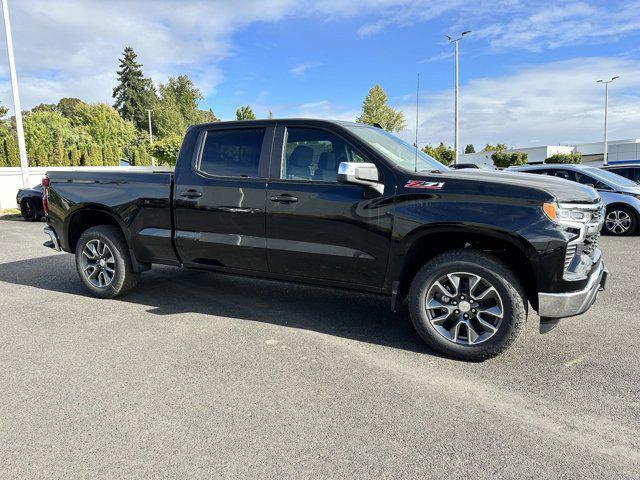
point(396, 150)
point(611, 177)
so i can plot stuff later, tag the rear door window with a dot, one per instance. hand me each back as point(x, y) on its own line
point(232, 153)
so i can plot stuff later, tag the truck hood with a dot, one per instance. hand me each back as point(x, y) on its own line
point(564, 191)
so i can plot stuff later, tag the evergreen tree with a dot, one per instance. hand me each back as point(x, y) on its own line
point(376, 111)
point(245, 113)
point(470, 148)
point(58, 156)
point(134, 93)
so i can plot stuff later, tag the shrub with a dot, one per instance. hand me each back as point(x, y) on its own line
point(503, 159)
point(565, 158)
point(167, 149)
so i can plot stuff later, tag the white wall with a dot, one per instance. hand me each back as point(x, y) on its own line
point(11, 178)
point(534, 154)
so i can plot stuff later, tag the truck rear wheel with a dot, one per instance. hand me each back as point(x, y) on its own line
point(103, 262)
point(467, 304)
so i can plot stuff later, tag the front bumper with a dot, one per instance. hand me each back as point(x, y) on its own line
point(561, 305)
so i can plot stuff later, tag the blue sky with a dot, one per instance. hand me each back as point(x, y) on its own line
point(527, 76)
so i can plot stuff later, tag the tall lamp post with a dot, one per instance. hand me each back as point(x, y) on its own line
point(24, 163)
point(605, 158)
point(455, 42)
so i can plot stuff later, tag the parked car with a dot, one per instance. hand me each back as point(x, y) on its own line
point(626, 170)
point(29, 201)
point(620, 195)
point(349, 206)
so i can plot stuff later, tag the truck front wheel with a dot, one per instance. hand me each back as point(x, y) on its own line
point(103, 262)
point(467, 304)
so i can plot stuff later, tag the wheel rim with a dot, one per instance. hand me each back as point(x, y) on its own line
point(98, 263)
point(618, 221)
point(464, 308)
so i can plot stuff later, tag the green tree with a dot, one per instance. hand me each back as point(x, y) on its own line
point(502, 159)
point(245, 113)
point(46, 135)
point(69, 106)
point(95, 156)
point(443, 153)
point(74, 157)
point(376, 111)
point(134, 93)
point(565, 158)
point(470, 148)
point(45, 107)
point(167, 149)
point(177, 107)
point(10, 155)
point(58, 156)
point(143, 157)
point(494, 148)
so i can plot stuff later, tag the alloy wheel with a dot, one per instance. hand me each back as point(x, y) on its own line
point(98, 263)
point(618, 221)
point(464, 308)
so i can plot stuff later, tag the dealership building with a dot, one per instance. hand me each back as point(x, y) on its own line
point(592, 153)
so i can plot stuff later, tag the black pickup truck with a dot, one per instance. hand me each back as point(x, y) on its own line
point(344, 205)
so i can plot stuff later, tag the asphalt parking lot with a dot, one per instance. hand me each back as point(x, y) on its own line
point(201, 375)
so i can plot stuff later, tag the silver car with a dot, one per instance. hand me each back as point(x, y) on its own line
point(620, 195)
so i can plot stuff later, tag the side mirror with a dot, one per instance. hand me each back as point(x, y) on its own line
point(358, 173)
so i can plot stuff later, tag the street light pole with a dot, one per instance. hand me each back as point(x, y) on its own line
point(605, 158)
point(150, 134)
point(24, 162)
point(456, 127)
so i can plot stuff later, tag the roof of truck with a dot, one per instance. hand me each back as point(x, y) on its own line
point(262, 121)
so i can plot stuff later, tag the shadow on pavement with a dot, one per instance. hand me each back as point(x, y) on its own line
point(342, 313)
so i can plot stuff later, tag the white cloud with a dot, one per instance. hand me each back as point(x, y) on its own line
point(322, 109)
point(300, 70)
point(553, 103)
point(561, 24)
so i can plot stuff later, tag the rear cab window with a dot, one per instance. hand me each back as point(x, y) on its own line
point(232, 153)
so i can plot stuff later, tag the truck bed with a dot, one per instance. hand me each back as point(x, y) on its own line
point(139, 201)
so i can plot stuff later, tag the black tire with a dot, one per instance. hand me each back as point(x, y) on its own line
point(124, 278)
point(621, 229)
point(494, 273)
point(29, 211)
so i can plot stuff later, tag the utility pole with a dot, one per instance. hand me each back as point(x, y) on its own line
point(24, 162)
point(150, 135)
point(456, 128)
point(605, 158)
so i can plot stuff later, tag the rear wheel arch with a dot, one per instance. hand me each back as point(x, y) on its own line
point(84, 218)
point(426, 245)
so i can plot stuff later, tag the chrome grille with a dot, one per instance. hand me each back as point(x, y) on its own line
point(571, 252)
point(590, 245)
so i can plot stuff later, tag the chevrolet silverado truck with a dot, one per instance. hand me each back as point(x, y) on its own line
point(349, 206)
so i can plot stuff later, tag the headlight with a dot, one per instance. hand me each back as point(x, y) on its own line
point(561, 215)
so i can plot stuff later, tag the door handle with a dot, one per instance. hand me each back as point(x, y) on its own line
point(284, 198)
point(191, 193)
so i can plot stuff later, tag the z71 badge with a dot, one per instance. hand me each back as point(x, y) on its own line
point(423, 184)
